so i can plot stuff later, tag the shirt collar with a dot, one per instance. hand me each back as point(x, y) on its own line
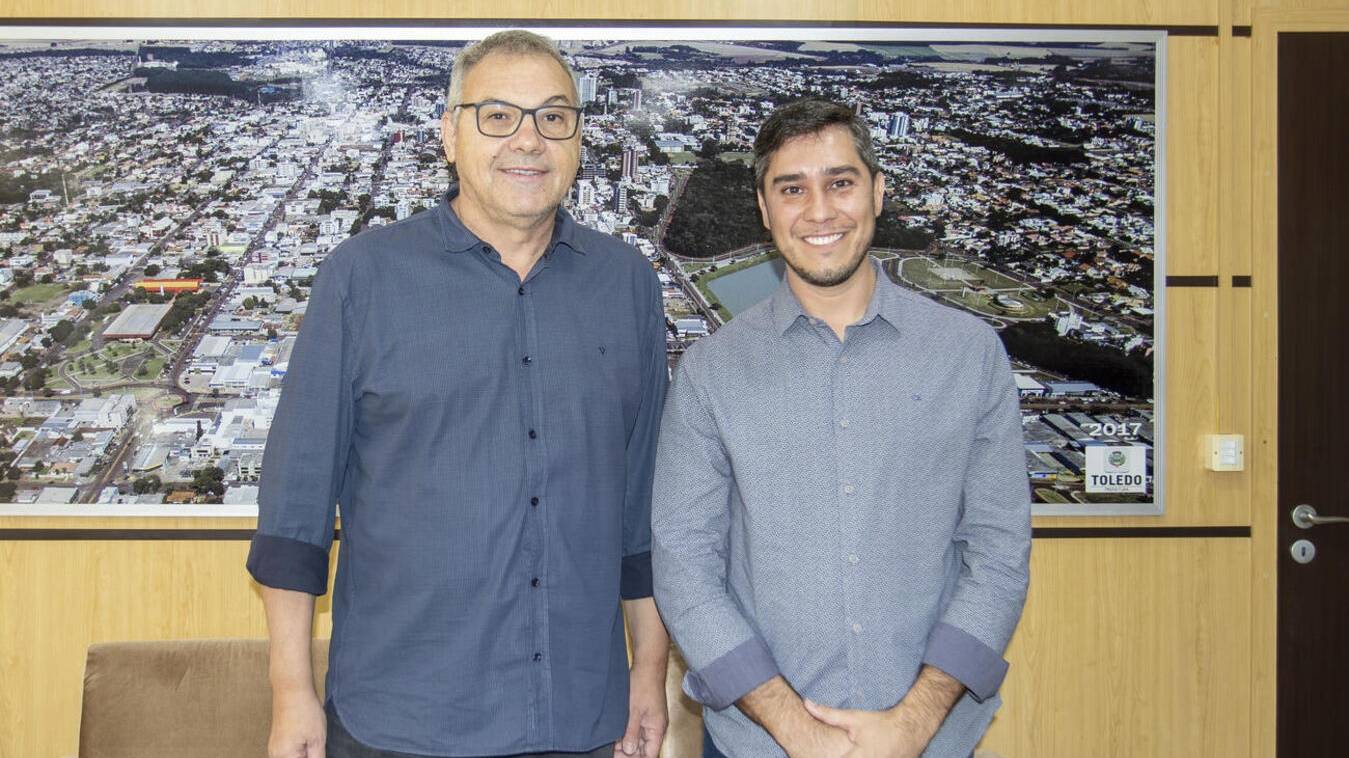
point(886, 301)
point(458, 238)
point(786, 308)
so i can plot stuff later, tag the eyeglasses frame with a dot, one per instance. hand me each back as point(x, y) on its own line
point(531, 112)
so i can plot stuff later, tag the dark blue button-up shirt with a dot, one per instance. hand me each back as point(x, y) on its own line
point(490, 442)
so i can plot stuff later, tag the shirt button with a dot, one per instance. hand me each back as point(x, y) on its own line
point(534, 501)
point(526, 360)
point(533, 434)
point(848, 489)
point(534, 582)
point(856, 628)
point(843, 423)
point(520, 291)
point(844, 359)
point(853, 558)
point(538, 656)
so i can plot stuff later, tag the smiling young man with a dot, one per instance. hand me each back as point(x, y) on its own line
point(841, 521)
point(479, 386)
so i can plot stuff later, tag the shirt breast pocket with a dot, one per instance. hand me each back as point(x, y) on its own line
point(590, 363)
point(613, 369)
point(931, 430)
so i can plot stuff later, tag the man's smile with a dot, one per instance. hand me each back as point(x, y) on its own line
point(821, 240)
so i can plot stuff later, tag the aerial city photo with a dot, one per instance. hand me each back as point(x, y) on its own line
point(165, 205)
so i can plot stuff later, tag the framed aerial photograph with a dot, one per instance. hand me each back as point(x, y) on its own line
point(167, 195)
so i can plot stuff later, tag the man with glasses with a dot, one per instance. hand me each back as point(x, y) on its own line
point(479, 386)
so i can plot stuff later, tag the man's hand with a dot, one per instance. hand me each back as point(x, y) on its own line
point(776, 707)
point(299, 727)
point(871, 734)
point(902, 731)
point(818, 740)
point(647, 714)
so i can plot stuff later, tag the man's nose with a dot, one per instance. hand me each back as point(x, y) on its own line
point(818, 207)
point(527, 137)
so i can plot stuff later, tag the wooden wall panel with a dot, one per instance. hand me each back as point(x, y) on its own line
point(1244, 12)
point(1233, 345)
point(1190, 408)
point(1135, 648)
point(1234, 138)
point(1192, 158)
point(1180, 12)
point(1193, 495)
point(1265, 375)
point(58, 597)
point(1129, 648)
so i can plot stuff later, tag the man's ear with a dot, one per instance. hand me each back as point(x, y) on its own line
point(878, 191)
point(448, 133)
point(763, 209)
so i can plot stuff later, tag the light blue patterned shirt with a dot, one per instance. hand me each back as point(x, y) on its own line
point(841, 513)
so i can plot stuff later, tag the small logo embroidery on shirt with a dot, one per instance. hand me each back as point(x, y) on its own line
point(917, 397)
point(601, 349)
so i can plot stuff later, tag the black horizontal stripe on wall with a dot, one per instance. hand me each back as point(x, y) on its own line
point(224, 535)
point(1192, 281)
point(1179, 30)
point(1241, 281)
point(129, 535)
point(124, 534)
point(1241, 31)
point(1139, 532)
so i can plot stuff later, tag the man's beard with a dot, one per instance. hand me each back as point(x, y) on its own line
point(829, 278)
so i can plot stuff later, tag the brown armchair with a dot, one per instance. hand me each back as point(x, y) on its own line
point(180, 699)
point(211, 699)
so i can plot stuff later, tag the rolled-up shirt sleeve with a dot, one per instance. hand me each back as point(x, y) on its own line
point(690, 533)
point(640, 454)
point(994, 535)
point(308, 445)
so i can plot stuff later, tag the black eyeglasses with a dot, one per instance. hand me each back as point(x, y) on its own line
point(496, 118)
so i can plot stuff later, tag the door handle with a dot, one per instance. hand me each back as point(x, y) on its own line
point(1304, 516)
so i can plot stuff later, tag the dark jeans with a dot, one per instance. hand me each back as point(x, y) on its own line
point(342, 745)
point(709, 747)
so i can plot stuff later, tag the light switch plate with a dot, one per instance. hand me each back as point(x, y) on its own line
point(1227, 452)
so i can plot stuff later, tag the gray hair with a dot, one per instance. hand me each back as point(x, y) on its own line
point(809, 116)
point(509, 42)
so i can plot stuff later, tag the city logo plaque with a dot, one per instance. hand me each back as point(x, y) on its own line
point(1113, 470)
point(167, 195)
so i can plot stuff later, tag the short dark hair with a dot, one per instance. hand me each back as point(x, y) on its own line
point(809, 116)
